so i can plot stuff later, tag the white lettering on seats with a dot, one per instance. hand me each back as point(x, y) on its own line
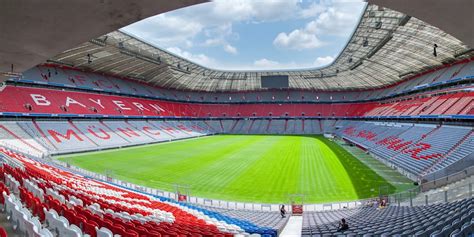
point(140, 106)
point(97, 102)
point(40, 100)
point(70, 101)
point(120, 104)
point(157, 107)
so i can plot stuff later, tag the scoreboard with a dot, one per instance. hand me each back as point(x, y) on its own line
point(274, 82)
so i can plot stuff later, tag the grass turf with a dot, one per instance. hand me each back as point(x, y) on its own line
point(250, 168)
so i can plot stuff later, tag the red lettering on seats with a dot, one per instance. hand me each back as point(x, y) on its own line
point(78, 79)
point(385, 141)
point(349, 131)
point(106, 136)
point(168, 128)
point(400, 145)
point(395, 143)
point(69, 134)
point(128, 132)
point(419, 147)
point(184, 128)
point(148, 130)
point(196, 127)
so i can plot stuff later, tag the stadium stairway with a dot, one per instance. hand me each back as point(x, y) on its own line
point(293, 227)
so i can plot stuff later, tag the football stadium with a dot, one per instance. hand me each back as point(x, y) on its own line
point(236, 118)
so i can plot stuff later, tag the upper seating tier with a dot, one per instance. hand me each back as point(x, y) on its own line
point(73, 78)
point(37, 101)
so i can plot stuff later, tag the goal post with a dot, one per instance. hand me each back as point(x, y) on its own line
point(182, 192)
point(296, 203)
point(109, 175)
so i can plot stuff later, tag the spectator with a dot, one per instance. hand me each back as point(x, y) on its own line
point(282, 211)
point(342, 225)
point(383, 203)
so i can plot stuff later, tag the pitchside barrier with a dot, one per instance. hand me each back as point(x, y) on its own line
point(458, 171)
point(411, 197)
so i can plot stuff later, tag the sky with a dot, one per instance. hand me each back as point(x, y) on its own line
point(254, 34)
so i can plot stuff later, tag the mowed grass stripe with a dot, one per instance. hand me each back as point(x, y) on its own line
point(146, 166)
point(220, 173)
point(399, 181)
point(273, 176)
point(252, 168)
point(335, 184)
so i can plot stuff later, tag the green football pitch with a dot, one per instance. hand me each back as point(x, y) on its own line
point(250, 168)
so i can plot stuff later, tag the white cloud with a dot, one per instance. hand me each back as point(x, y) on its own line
point(212, 25)
point(218, 37)
point(254, 10)
point(220, 42)
point(230, 49)
point(198, 58)
point(336, 20)
point(266, 64)
point(313, 10)
point(332, 18)
point(323, 61)
point(188, 44)
point(212, 42)
point(214, 19)
point(299, 39)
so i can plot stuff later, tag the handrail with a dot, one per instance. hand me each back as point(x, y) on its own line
point(410, 197)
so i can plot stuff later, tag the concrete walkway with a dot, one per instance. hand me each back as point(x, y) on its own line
point(293, 227)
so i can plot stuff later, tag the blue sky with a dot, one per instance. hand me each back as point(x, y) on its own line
point(254, 34)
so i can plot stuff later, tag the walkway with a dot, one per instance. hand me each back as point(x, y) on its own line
point(293, 227)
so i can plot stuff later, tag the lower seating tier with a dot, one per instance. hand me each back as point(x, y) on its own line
point(71, 205)
point(435, 220)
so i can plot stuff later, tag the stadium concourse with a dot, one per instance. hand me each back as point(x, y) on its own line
point(398, 98)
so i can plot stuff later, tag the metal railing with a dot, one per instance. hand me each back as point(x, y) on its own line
point(412, 197)
point(458, 171)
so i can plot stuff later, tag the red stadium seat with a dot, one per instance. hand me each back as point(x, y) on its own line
point(414, 106)
point(3, 232)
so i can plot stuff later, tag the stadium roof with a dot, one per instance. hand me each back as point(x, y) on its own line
point(33, 31)
point(386, 47)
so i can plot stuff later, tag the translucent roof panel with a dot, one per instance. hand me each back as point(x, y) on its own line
point(386, 47)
